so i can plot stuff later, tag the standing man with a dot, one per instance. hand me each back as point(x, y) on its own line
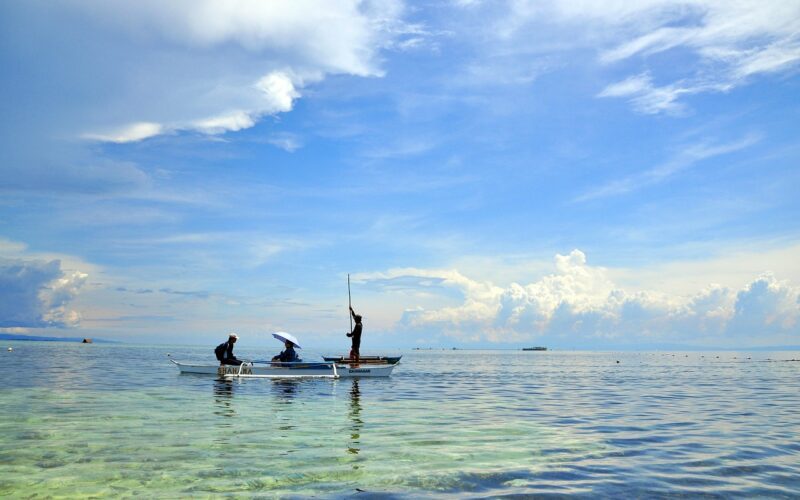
point(224, 351)
point(356, 336)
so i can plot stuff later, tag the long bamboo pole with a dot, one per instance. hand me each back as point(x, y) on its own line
point(349, 303)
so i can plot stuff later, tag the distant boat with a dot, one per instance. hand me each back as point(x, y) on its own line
point(86, 341)
point(537, 348)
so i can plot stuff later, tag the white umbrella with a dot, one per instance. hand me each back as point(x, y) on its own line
point(284, 337)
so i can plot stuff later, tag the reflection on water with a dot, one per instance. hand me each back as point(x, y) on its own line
point(223, 398)
point(285, 390)
point(109, 419)
point(355, 419)
point(223, 390)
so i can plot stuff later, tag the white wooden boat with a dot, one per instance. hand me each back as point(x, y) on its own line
point(270, 369)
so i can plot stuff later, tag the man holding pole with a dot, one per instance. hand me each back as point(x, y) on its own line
point(356, 336)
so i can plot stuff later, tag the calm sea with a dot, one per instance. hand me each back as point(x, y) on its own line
point(118, 420)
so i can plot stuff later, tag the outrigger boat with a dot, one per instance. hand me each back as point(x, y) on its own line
point(365, 360)
point(270, 369)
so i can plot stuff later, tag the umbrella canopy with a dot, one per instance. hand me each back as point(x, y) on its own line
point(284, 337)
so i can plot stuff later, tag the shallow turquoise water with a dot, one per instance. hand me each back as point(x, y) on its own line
point(116, 420)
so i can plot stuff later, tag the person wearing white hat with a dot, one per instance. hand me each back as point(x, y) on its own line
point(224, 351)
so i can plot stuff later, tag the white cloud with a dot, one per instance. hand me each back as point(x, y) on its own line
point(232, 122)
point(214, 66)
point(729, 42)
point(766, 306)
point(36, 294)
point(771, 59)
point(285, 141)
point(646, 97)
point(277, 90)
point(581, 302)
point(130, 133)
point(337, 37)
point(633, 85)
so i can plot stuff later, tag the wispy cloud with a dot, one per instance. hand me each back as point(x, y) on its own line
point(196, 294)
point(648, 98)
point(286, 141)
point(686, 158)
point(401, 148)
point(733, 42)
point(128, 133)
point(728, 43)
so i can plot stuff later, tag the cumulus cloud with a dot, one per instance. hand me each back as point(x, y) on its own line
point(36, 294)
point(337, 37)
point(765, 305)
point(580, 301)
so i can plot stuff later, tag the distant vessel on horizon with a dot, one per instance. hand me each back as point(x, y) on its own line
point(537, 348)
point(86, 341)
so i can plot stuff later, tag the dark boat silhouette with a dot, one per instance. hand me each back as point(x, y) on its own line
point(366, 360)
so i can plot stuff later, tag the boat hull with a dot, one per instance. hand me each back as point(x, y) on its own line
point(365, 360)
point(298, 370)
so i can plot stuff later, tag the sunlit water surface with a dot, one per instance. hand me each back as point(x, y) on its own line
point(118, 420)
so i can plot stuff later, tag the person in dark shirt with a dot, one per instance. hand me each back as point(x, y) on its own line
point(288, 355)
point(356, 336)
point(224, 351)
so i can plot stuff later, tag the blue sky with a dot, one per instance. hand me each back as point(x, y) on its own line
point(572, 174)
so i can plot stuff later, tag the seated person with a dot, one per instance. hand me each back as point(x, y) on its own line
point(224, 351)
point(288, 355)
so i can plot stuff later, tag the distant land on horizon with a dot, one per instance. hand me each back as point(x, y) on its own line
point(624, 348)
point(14, 336)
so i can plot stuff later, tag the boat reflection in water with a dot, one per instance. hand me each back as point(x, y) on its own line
point(223, 398)
point(224, 407)
point(355, 418)
point(285, 390)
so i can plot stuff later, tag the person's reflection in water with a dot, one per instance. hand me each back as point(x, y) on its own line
point(284, 391)
point(223, 398)
point(355, 417)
